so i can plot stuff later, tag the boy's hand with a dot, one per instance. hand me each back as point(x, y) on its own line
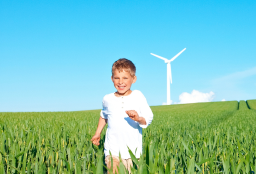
point(133, 115)
point(96, 139)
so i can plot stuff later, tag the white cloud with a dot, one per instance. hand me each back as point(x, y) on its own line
point(195, 97)
point(223, 100)
point(235, 77)
point(235, 86)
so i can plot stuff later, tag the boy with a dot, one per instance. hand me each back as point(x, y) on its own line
point(126, 113)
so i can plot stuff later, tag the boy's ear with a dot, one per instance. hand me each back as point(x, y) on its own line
point(134, 79)
point(112, 78)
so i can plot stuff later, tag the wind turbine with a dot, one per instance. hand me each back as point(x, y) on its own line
point(169, 73)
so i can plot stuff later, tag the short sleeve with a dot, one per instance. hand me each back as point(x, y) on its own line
point(145, 110)
point(103, 112)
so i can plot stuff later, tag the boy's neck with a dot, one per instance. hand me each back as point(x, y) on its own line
point(117, 94)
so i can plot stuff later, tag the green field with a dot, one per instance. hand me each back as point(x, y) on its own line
point(252, 104)
point(214, 137)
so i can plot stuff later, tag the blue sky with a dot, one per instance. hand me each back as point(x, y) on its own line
point(57, 55)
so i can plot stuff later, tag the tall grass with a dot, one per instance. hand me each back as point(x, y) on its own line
point(243, 105)
point(203, 138)
point(252, 104)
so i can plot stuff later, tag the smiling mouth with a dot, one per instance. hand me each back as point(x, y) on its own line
point(121, 87)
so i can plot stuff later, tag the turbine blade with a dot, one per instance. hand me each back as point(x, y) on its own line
point(170, 72)
point(159, 57)
point(177, 54)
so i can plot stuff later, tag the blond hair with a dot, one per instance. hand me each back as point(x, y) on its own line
point(124, 64)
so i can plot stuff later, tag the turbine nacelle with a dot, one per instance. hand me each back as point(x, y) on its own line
point(169, 73)
point(166, 60)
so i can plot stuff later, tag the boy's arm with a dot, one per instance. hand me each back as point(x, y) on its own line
point(146, 116)
point(134, 116)
point(142, 121)
point(96, 138)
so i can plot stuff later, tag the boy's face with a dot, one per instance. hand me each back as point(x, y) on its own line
point(123, 81)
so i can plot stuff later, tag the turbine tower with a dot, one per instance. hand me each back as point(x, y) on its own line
point(169, 73)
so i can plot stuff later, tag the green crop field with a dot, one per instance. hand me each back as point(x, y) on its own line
point(252, 104)
point(214, 137)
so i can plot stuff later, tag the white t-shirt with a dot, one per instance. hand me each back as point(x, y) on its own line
point(122, 131)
